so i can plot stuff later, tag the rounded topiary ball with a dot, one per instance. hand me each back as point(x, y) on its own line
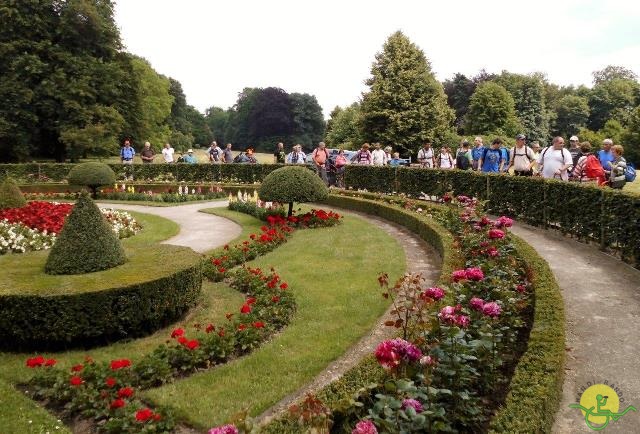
point(293, 184)
point(10, 195)
point(93, 175)
point(86, 243)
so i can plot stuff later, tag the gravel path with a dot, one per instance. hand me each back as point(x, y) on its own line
point(200, 231)
point(602, 304)
point(420, 258)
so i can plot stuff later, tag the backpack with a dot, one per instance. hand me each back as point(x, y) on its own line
point(630, 173)
point(462, 162)
point(593, 169)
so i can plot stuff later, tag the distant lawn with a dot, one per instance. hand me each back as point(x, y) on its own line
point(332, 273)
point(201, 155)
point(633, 187)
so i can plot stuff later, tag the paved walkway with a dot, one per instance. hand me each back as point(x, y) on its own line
point(602, 304)
point(420, 258)
point(202, 232)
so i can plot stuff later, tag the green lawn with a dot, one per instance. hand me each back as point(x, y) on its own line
point(633, 187)
point(333, 275)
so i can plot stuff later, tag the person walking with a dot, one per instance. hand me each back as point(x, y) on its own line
point(167, 153)
point(618, 166)
point(320, 157)
point(127, 153)
point(445, 159)
point(521, 157)
point(588, 167)
point(492, 160)
point(574, 150)
point(147, 154)
point(555, 160)
point(215, 153)
point(341, 164)
point(426, 157)
point(227, 154)
point(189, 158)
point(363, 156)
point(279, 156)
point(296, 156)
point(464, 159)
point(477, 152)
point(378, 156)
point(605, 155)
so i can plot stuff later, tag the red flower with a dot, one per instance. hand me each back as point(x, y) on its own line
point(182, 340)
point(210, 328)
point(251, 300)
point(258, 324)
point(157, 417)
point(221, 332)
point(119, 364)
point(242, 327)
point(193, 344)
point(118, 403)
point(50, 362)
point(125, 392)
point(144, 415)
point(76, 381)
point(275, 299)
point(35, 362)
point(110, 382)
point(245, 308)
point(177, 332)
point(77, 368)
point(284, 285)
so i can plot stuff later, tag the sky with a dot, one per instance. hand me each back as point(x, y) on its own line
point(326, 48)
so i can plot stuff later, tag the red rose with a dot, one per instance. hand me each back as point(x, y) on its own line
point(258, 324)
point(119, 364)
point(76, 381)
point(50, 362)
point(182, 340)
point(251, 300)
point(118, 403)
point(284, 285)
point(193, 344)
point(245, 308)
point(125, 392)
point(77, 368)
point(110, 382)
point(35, 362)
point(144, 415)
point(177, 332)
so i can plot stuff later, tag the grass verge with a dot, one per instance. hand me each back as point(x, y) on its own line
point(332, 272)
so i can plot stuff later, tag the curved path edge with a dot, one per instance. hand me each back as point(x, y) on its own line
point(420, 258)
point(602, 307)
point(200, 231)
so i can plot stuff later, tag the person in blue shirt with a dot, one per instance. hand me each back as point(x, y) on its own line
point(127, 153)
point(190, 158)
point(395, 161)
point(492, 160)
point(477, 152)
point(505, 157)
point(605, 155)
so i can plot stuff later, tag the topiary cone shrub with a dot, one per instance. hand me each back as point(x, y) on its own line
point(93, 175)
point(86, 243)
point(10, 195)
point(293, 184)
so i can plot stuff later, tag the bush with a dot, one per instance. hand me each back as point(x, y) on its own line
point(77, 317)
point(93, 175)
point(293, 184)
point(10, 195)
point(86, 243)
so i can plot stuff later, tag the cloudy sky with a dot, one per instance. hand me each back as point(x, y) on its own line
point(325, 48)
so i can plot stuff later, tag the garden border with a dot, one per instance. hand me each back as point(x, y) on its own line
point(536, 386)
point(41, 321)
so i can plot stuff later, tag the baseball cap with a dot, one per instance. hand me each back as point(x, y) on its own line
point(573, 139)
point(189, 151)
point(521, 137)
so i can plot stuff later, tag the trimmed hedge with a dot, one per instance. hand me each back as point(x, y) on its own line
point(46, 321)
point(605, 216)
point(10, 195)
point(536, 385)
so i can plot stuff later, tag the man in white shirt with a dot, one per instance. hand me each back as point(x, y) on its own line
point(378, 155)
point(167, 153)
point(296, 156)
point(555, 160)
point(425, 156)
point(520, 157)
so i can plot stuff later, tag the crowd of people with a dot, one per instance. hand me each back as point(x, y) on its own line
point(578, 162)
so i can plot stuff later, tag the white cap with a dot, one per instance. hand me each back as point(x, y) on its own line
point(607, 142)
point(573, 139)
point(189, 151)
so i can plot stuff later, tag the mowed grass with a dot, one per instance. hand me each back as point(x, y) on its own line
point(633, 187)
point(332, 273)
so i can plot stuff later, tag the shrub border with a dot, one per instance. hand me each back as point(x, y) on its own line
point(536, 386)
point(90, 318)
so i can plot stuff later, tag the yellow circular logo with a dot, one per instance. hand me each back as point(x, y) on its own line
point(599, 397)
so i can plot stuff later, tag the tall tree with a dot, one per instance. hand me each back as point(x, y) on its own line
point(572, 113)
point(632, 138)
point(217, 119)
point(308, 119)
point(345, 131)
point(237, 127)
point(459, 90)
point(612, 72)
point(491, 110)
point(612, 99)
point(270, 118)
point(405, 104)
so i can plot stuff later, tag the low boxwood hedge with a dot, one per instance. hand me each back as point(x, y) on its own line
point(536, 386)
point(114, 304)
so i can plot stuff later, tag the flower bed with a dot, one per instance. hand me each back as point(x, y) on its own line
point(35, 226)
point(106, 392)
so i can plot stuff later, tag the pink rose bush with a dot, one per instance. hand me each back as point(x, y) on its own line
point(365, 427)
point(225, 429)
point(391, 353)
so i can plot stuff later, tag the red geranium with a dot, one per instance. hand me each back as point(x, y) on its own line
point(192, 344)
point(144, 415)
point(258, 324)
point(77, 368)
point(50, 362)
point(35, 362)
point(118, 403)
point(110, 382)
point(76, 381)
point(245, 308)
point(119, 364)
point(284, 285)
point(125, 392)
point(177, 332)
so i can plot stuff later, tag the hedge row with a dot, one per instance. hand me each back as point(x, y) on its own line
point(228, 173)
point(602, 215)
point(43, 321)
point(536, 385)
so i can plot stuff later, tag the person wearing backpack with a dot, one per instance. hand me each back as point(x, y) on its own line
point(588, 167)
point(618, 168)
point(363, 156)
point(555, 160)
point(463, 156)
point(520, 158)
point(425, 156)
point(215, 153)
point(492, 160)
point(445, 159)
